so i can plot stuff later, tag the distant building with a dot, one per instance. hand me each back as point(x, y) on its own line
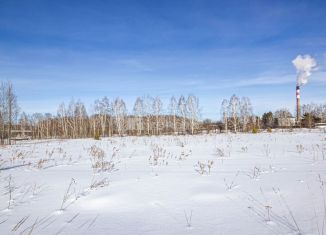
point(320, 125)
point(286, 121)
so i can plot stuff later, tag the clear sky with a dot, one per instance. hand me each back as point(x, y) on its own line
point(53, 51)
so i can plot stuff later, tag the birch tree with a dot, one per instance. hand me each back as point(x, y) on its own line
point(23, 122)
point(80, 119)
point(119, 111)
point(157, 109)
point(38, 120)
point(49, 124)
point(193, 111)
point(224, 113)
point(62, 115)
point(283, 117)
point(173, 107)
point(71, 121)
point(93, 121)
point(139, 112)
point(103, 110)
point(234, 105)
point(11, 106)
point(182, 107)
point(245, 111)
point(3, 110)
point(148, 108)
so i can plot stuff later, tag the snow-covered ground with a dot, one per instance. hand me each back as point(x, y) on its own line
point(267, 183)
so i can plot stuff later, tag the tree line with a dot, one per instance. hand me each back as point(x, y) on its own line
point(311, 114)
point(237, 114)
point(147, 117)
point(105, 118)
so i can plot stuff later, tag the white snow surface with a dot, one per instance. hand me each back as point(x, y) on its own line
point(266, 183)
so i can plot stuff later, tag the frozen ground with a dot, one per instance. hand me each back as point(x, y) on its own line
point(267, 183)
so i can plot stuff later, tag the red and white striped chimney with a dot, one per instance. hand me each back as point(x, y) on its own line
point(298, 103)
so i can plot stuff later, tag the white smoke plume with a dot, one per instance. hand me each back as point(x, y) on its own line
point(304, 65)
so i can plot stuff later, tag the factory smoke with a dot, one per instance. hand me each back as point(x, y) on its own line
point(304, 65)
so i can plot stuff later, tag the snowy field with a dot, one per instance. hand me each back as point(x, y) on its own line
point(267, 183)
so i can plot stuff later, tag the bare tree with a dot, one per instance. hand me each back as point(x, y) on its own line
point(12, 107)
point(119, 110)
point(148, 108)
point(283, 117)
point(23, 122)
point(3, 110)
point(62, 115)
point(49, 127)
point(71, 120)
point(139, 112)
point(157, 108)
point(193, 111)
point(173, 107)
point(103, 110)
point(316, 110)
point(224, 112)
point(80, 119)
point(282, 113)
point(182, 107)
point(234, 106)
point(93, 122)
point(37, 119)
point(245, 112)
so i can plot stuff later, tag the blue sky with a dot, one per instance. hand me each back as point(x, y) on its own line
point(53, 51)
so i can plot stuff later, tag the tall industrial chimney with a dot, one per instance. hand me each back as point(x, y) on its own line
point(304, 65)
point(298, 104)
